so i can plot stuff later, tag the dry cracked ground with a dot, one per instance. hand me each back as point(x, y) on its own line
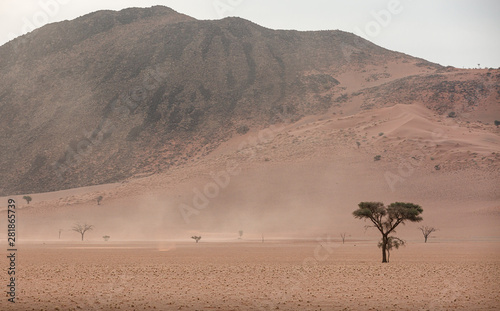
point(250, 275)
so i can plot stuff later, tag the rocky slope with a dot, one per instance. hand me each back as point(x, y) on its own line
point(115, 95)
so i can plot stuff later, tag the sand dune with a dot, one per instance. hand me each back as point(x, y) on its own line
point(298, 180)
point(292, 181)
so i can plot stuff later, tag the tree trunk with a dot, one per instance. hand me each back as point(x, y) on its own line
point(384, 248)
point(425, 239)
point(82, 236)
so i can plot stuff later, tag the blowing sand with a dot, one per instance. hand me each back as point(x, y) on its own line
point(242, 275)
point(304, 182)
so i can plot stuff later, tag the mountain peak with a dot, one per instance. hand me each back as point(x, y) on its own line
point(112, 95)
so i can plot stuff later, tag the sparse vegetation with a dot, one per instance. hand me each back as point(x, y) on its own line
point(27, 198)
point(377, 157)
point(242, 129)
point(452, 114)
point(99, 199)
point(341, 99)
point(426, 231)
point(240, 233)
point(437, 167)
point(196, 238)
point(358, 144)
point(82, 228)
point(497, 123)
point(343, 235)
point(381, 133)
point(106, 237)
point(393, 242)
point(386, 219)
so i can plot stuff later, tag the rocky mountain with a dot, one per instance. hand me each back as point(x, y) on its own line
point(116, 95)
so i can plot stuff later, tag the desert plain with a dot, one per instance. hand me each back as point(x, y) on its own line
point(321, 274)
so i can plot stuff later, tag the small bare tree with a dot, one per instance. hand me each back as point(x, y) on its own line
point(196, 238)
point(343, 235)
point(82, 228)
point(99, 199)
point(106, 237)
point(426, 231)
point(240, 233)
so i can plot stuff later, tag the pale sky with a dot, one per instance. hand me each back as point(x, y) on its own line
point(460, 33)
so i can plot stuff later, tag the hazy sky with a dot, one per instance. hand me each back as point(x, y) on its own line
point(461, 33)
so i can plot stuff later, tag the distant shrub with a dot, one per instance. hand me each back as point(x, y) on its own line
point(452, 114)
point(243, 129)
point(437, 167)
point(377, 157)
point(341, 99)
point(497, 123)
point(196, 238)
point(296, 118)
point(106, 237)
point(381, 133)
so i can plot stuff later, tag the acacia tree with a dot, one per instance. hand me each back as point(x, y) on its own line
point(387, 218)
point(82, 228)
point(196, 238)
point(27, 198)
point(426, 231)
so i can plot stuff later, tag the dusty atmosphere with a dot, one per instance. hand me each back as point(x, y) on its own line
point(154, 161)
point(298, 205)
point(245, 275)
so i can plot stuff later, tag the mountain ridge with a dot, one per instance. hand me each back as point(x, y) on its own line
point(159, 89)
